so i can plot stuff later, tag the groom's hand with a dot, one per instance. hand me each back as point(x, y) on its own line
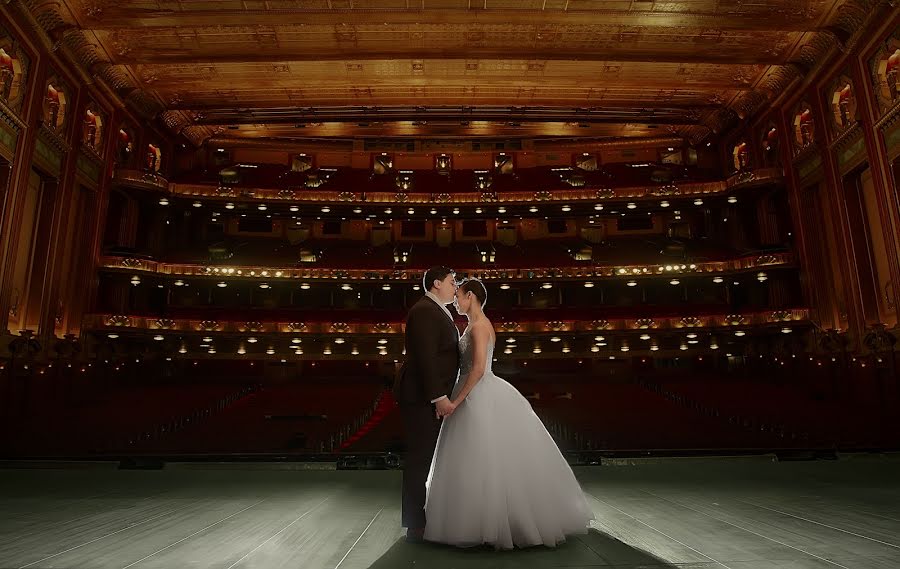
point(444, 407)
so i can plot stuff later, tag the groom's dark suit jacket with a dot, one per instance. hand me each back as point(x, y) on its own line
point(432, 355)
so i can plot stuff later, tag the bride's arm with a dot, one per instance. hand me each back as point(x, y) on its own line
point(480, 338)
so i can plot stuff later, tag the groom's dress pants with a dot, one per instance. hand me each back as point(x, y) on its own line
point(421, 429)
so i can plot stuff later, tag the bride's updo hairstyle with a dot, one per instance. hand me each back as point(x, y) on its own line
point(475, 287)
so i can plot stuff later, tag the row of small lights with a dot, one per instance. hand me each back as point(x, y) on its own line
point(164, 201)
point(761, 277)
point(599, 342)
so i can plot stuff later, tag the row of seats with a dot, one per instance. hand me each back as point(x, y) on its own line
point(297, 417)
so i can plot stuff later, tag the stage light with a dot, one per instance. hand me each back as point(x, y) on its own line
point(411, 211)
point(566, 349)
point(346, 286)
point(182, 349)
point(262, 207)
point(713, 345)
point(270, 350)
point(357, 210)
point(691, 335)
point(533, 209)
point(304, 286)
point(296, 341)
point(211, 350)
point(355, 351)
point(732, 199)
point(264, 285)
point(388, 211)
point(595, 349)
point(547, 285)
point(786, 330)
point(698, 201)
point(241, 350)
point(510, 340)
point(631, 205)
point(504, 286)
point(624, 347)
point(599, 338)
point(555, 339)
point(588, 284)
point(298, 352)
point(229, 205)
point(536, 350)
point(339, 340)
point(507, 351)
point(501, 210)
point(631, 283)
point(221, 284)
point(386, 286)
point(326, 351)
point(645, 337)
point(740, 333)
point(598, 207)
point(112, 335)
point(207, 339)
point(762, 277)
point(163, 201)
point(197, 204)
point(382, 340)
point(252, 340)
point(654, 347)
point(158, 337)
point(718, 280)
point(566, 208)
point(179, 282)
point(456, 211)
point(135, 280)
point(674, 282)
point(683, 347)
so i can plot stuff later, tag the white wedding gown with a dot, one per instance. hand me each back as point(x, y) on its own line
point(497, 477)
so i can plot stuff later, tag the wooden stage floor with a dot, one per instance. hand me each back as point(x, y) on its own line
point(742, 513)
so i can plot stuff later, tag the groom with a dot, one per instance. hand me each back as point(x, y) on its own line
point(422, 386)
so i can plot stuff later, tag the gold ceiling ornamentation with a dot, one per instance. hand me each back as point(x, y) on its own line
point(208, 325)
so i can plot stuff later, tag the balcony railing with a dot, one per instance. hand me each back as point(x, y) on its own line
point(577, 273)
point(140, 179)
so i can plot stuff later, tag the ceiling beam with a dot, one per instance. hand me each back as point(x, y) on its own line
point(216, 55)
point(117, 17)
point(300, 115)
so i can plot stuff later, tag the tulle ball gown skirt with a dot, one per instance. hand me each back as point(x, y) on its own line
point(498, 478)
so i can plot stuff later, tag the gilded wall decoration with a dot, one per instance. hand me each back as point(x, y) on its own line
point(94, 123)
point(842, 104)
point(14, 68)
point(771, 146)
point(55, 104)
point(884, 68)
point(804, 127)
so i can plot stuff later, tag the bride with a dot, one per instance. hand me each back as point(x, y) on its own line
point(497, 477)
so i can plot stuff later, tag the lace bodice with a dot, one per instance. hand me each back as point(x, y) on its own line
point(466, 355)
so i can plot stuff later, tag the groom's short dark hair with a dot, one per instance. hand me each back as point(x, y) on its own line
point(435, 274)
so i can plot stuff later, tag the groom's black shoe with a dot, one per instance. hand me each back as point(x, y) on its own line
point(415, 535)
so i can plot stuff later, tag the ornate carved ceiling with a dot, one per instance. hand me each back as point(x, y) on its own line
point(453, 68)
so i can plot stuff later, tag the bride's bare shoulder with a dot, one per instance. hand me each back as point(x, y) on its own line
point(485, 328)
